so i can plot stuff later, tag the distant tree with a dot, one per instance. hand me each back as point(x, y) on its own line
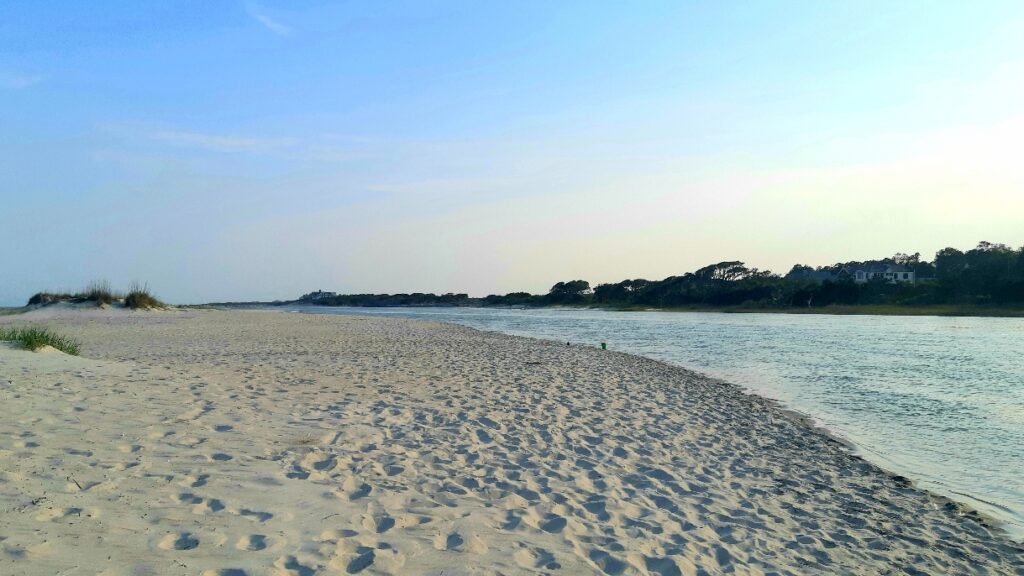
point(906, 260)
point(799, 271)
point(569, 292)
point(571, 288)
point(990, 247)
point(512, 299)
point(725, 271)
point(949, 264)
point(638, 285)
point(611, 293)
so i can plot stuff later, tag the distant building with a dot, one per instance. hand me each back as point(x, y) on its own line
point(890, 272)
point(318, 295)
point(859, 273)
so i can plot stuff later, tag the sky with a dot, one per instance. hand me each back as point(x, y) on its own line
point(227, 151)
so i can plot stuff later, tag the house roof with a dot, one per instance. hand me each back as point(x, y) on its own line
point(877, 268)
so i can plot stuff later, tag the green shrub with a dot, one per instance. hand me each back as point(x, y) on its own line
point(49, 298)
point(34, 338)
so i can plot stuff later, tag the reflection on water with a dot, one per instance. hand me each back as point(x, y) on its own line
point(940, 400)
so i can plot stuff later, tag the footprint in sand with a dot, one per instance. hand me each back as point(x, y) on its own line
point(379, 523)
point(195, 481)
point(255, 515)
point(363, 559)
point(208, 505)
point(179, 541)
point(323, 464)
point(662, 566)
point(606, 562)
point(252, 542)
point(188, 498)
point(297, 473)
point(57, 514)
point(290, 566)
point(354, 489)
point(536, 558)
point(449, 542)
point(200, 505)
point(553, 523)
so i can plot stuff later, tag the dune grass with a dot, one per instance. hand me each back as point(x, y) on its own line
point(139, 296)
point(34, 338)
point(100, 293)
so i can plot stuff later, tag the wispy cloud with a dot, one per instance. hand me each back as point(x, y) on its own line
point(19, 81)
point(223, 143)
point(260, 15)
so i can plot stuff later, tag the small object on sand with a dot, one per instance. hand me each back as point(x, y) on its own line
point(566, 343)
point(604, 345)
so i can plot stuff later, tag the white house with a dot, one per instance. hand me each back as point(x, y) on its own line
point(890, 272)
point(319, 295)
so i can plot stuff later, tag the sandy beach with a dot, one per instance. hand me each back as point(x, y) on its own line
point(259, 442)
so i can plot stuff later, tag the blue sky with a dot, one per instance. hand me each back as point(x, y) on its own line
point(225, 150)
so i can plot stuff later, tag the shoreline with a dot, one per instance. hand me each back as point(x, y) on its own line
point(393, 445)
point(998, 514)
point(802, 419)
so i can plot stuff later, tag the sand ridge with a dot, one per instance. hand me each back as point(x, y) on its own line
point(232, 443)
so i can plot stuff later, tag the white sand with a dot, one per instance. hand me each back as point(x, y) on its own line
point(269, 443)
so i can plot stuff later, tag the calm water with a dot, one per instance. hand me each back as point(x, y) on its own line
point(940, 400)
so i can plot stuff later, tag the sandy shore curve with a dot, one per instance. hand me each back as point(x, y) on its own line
point(263, 442)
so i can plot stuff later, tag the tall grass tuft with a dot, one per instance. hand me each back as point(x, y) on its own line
point(34, 338)
point(98, 291)
point(139, 296)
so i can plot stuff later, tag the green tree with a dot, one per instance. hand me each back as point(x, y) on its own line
point(573, 291)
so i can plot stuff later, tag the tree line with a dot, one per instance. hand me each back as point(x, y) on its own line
point(384, 300)
point(987, 275)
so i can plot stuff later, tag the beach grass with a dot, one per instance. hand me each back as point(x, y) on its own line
point(34, 338)
point(100, 293)
point(139, 296)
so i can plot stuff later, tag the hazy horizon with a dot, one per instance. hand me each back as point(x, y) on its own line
point(257, 151)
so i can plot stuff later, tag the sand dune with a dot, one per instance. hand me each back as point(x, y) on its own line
point(231, 443)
